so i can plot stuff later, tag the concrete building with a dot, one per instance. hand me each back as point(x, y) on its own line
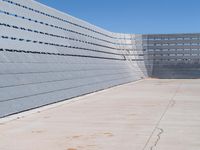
point(47, 56)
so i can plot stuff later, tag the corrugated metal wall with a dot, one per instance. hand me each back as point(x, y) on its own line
point(174, 55)
point(47, 56)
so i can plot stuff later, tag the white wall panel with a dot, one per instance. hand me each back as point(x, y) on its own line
point(35, 73)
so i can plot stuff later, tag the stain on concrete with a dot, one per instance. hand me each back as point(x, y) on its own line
point(71, 149)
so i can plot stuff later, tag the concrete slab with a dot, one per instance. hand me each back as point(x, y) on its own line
point(147, 115)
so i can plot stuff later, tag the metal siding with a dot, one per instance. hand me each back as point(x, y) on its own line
point(30, 79)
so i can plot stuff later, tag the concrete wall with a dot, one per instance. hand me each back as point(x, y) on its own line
point(47, 56)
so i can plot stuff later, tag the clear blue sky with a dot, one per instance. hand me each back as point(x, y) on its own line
point(135, 16)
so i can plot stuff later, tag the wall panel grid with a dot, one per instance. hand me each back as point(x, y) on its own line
point(47, 56)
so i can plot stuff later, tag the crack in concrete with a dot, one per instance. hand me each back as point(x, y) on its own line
point(171, 101)
point(158, 138)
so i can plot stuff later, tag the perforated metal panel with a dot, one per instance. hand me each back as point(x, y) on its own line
point(174, 55)
point(47, 56)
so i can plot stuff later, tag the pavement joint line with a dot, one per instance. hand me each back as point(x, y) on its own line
point(162, 116)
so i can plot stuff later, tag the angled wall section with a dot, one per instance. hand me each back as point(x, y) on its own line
point(47, 56)
point(174, 55)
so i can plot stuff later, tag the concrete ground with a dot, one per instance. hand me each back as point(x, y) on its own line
point(147, 115)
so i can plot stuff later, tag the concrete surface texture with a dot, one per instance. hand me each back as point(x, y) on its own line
point(148, 115)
